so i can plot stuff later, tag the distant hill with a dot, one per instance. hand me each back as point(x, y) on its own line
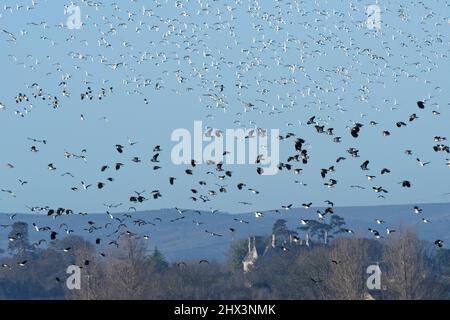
point(183, 239)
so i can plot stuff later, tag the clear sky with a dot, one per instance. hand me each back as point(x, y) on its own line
point(343, 73)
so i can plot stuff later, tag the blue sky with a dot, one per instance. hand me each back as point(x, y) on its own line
point(230, 47)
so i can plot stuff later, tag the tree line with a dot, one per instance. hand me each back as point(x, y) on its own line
point(331, 269)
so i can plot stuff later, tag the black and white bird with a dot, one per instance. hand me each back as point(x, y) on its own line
point(421, 163)
point(119, 148)
point(356, 129)
point(389, 231)
point(304, 221)
point(379, 190)
point(364, 165)
point(421, 104)
point(405, 184)
point(307, 205)
point(439, 243)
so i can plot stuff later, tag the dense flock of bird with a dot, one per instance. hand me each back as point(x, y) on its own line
point(336, 89)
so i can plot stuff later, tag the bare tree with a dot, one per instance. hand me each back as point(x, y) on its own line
point(349, 260)
point(310, 274)
point(407, 271)
point(126, 270)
